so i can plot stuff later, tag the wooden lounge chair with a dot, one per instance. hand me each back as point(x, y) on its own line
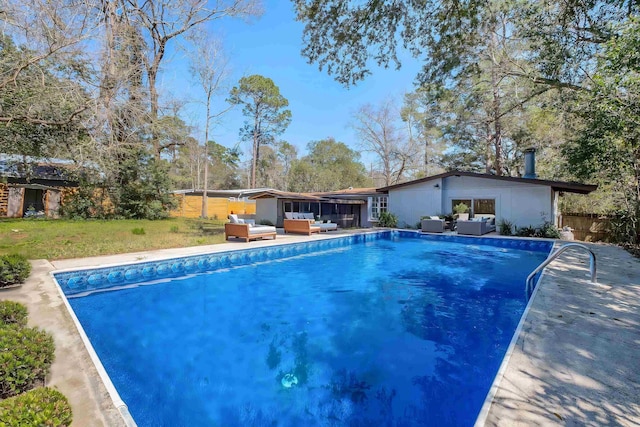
point(248, 231)
point(301, 226)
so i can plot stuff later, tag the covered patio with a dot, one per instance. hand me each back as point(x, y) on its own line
point(345, 211)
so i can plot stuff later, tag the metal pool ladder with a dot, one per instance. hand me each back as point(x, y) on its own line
point(554, 255)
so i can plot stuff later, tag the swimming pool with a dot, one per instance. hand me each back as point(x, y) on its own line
point(386, 329)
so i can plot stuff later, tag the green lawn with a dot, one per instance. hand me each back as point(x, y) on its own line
point(60, 239)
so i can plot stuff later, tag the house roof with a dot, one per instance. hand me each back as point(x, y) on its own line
point(569, 187)
point(345, 197)
point(239, 192)
point(269, 194)
point(348, 192)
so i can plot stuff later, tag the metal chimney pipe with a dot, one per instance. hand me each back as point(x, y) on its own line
point(530, 163)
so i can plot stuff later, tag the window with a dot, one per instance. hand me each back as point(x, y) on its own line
point(302, 207)
point(455, 202)
point(484, 206)
point(378, 205)
point(477, 206)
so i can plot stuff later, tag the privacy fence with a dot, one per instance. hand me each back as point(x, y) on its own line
point(217, 207)
point(587, 227)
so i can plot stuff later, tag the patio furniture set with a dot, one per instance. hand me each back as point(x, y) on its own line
point(300, 223)
point(477, 226)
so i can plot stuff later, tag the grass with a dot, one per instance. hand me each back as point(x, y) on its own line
point(61, 239)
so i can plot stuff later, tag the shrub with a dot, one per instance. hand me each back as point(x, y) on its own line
point(138, 231)
point(548, 230)
point(529, 231)
point(505, 227)
point(387, 219)
point(40, 407)
point(25, 359)
point(174, 229)
point(13, 269)
point(624, 227)
point(13, 313)
point(265, 222)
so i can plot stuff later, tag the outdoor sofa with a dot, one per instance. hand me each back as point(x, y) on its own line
point(300, 226)
point(247, 230)
point(433, 224)
point(476, 226)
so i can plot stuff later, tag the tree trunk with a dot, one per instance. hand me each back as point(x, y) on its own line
point(256, 146)
point(205, 187)
point(152, 75)
point(495, 111)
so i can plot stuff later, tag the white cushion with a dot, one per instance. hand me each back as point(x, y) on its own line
point(234, 219)
point(328, 226)
point(308, 215)
point(288, 215)
point(434, 217)
point(240, 221)
point(259, 229)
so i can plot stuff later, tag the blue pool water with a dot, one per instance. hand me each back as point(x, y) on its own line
point(392, 332)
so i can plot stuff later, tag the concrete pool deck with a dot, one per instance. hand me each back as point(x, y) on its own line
point(576, 361)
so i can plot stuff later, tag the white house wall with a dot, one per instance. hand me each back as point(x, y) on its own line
point(413, 201)
point(521, 203)
point(267, 209)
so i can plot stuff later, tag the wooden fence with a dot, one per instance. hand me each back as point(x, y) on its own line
point(217, 207)
point(587, 227)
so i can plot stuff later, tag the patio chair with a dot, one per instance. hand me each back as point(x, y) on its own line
point(433, 225)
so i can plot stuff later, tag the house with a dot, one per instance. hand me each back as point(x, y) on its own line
point(347, 208)
point(35, 189)
point(522, 201)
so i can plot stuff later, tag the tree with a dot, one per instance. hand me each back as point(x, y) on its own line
point(287, 154)
point(264, 108)
point(379, 132)
point(420, 115)
point(330, 165)
point(275, 165)
point(562, 37)
point(608, 146)
point(209, 66)
point(46, 39)
point(43, 108)
point(224, 166)
point(161, 22)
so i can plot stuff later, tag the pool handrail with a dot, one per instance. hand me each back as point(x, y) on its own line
point(553, 255)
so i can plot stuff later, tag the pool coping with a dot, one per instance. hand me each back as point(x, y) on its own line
point(521, 399)
point(481, 419)
point(117, 401)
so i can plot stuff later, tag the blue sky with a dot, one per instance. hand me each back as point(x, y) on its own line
point(270, 46)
